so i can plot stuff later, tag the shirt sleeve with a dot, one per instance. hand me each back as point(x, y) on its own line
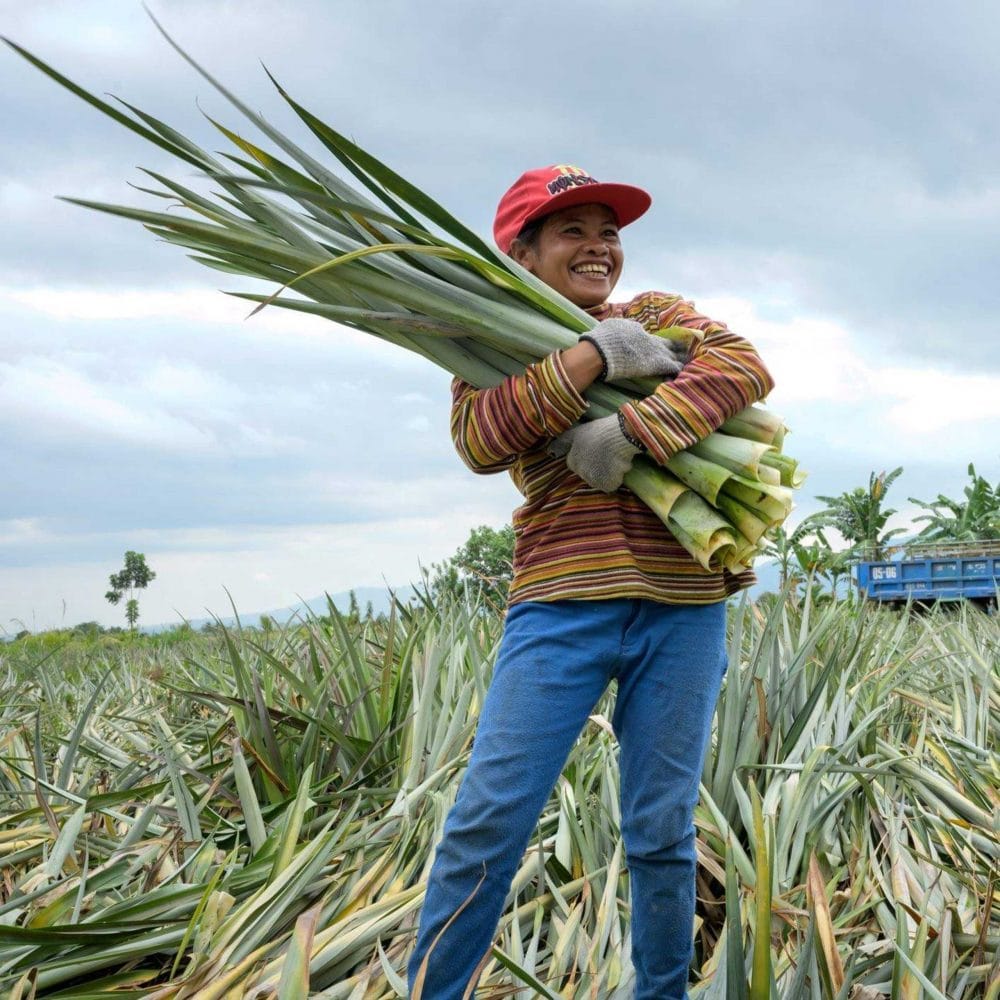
point(724, 375)
point(491, 427)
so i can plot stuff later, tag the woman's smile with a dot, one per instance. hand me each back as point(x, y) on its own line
point(578, 253)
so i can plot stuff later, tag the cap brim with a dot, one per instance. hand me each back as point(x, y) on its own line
point(626, 201)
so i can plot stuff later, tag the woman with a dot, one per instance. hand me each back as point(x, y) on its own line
point(601, 591)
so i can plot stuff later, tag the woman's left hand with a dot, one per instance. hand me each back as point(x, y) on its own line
point(597, 451)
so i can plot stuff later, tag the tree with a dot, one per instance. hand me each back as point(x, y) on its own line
point(89, 629)
point(778, 546)
point(977, 518)
point(354, 614)
point(485, 563)
point(135, 576)
point(805, 557)
point(858, 514)
point(837, 566)
point(784, 547)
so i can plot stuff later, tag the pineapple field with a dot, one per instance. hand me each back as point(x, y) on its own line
point(251, 812)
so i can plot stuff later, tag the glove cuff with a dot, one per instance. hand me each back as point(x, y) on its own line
point(623, 427)
point(600, 350)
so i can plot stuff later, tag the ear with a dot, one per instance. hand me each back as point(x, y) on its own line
point(524, 255)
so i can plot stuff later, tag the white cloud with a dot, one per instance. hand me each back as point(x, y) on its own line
point(809, 358)
point(22, 531)
point(926, 401)
point(71, 404)
point(195, 307)
point(19, 196)
point(976, 206)
point(168, 407)
point(460, 491)
point(185, 384)
point(814, 360)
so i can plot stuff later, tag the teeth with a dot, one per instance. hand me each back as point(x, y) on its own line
point(601, 269)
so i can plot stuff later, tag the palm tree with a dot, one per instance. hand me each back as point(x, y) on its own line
point(787, 548)
point(974, 519)
point(858, 514)
point(838, 565)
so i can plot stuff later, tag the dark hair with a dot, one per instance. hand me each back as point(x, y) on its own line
point(530, 232)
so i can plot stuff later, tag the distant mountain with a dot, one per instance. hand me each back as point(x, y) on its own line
point(380, 598)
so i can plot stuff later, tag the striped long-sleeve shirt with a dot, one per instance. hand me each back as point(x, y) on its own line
point(576, 542)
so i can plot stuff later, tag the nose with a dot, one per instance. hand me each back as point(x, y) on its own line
point(597, 244)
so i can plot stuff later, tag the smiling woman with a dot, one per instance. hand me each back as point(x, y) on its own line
point(602, 590)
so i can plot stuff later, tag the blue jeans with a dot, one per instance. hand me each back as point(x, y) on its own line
point(555, 661)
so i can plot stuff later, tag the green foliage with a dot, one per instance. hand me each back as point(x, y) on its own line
point(484, 565)
point(136, 575)
point(780, 545)
point(262, 805)
point(89, 629)
point(976, 518)
point(805, 558)
point(859, 514)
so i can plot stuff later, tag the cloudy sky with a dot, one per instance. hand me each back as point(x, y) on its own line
point(826, 179)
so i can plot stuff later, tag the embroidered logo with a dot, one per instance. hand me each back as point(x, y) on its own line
point(569, 176)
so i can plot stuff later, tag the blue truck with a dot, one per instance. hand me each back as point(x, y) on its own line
point(933, 572)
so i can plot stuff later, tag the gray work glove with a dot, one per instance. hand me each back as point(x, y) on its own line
point(629, 351)
point(597, 451)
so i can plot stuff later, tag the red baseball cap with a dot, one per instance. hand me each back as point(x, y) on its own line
point(538, 192)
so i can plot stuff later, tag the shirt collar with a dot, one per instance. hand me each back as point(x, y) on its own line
point(603, 311)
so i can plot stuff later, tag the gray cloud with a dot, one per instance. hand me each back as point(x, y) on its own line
point(832, 160)
point(857, 142)
point(241, 430)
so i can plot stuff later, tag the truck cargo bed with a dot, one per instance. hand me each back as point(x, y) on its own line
point(950, 572)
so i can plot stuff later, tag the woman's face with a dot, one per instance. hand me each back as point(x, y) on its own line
point(577, 252)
